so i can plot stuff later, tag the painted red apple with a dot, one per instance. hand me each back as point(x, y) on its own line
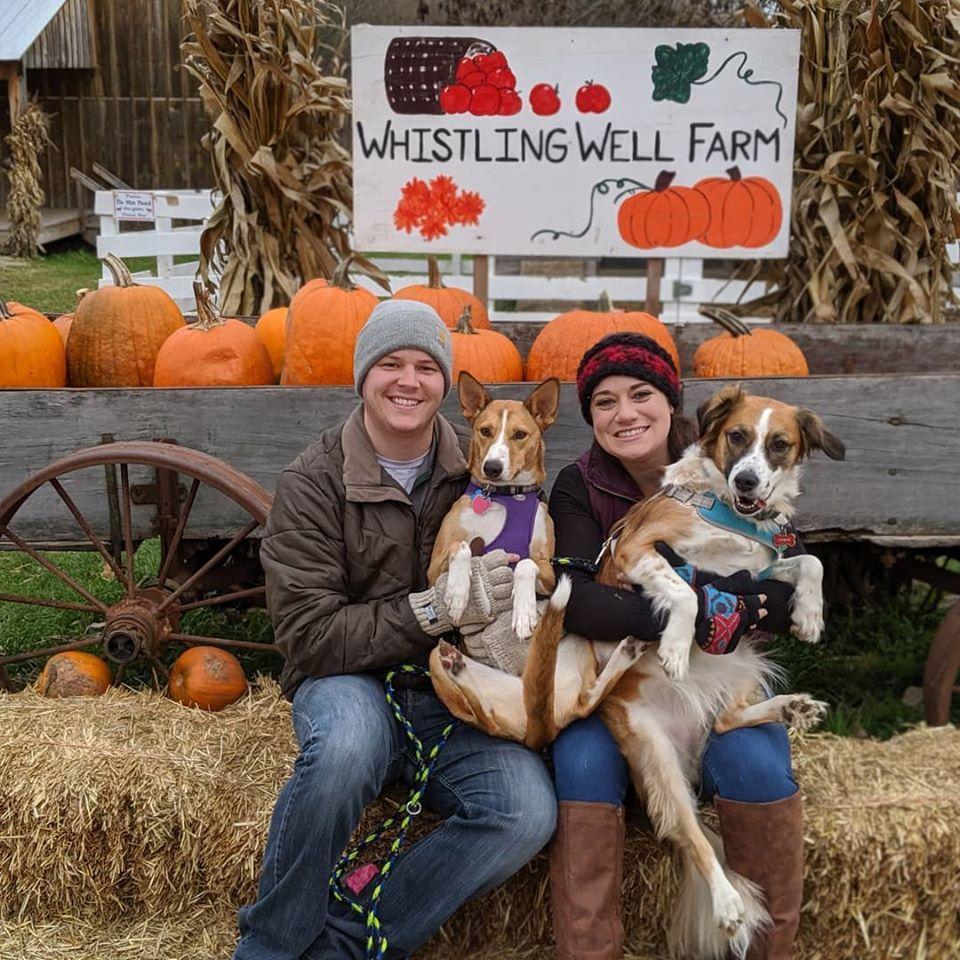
point(544, 99)
point(496, 60)
point(485, 101)
point(465, 66)
point(502, 78)
point(510, 103)
point(482, 62)
point(455, 98)
point(473, 79)
point(593, 98)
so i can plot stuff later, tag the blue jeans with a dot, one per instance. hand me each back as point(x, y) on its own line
point(496, 796)
point(751, 764)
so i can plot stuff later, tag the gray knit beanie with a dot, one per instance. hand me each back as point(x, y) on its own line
point(402, 325)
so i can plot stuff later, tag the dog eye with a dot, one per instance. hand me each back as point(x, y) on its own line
point(486, 432)
point(735, 436)
point(780, 446)
point(519, 435)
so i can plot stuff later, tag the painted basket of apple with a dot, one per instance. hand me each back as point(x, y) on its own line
point(416, 69)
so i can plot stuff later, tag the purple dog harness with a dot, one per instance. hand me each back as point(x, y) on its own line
point(521, 505)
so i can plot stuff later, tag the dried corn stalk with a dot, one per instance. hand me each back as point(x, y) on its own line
point(876, 175)
point(271, 79)
point(27, 140)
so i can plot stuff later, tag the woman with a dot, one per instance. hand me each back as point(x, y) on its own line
point(630, 394)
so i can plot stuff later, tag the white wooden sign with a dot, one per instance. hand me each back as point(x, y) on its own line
point(574, 142)
point(133, 205)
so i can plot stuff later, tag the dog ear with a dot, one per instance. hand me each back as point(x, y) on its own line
point(815, 436)
point(473, 396)
point(712, 413)
point(543, 402)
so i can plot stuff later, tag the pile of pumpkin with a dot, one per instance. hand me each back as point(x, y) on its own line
point(206, 677)
point(129, 335)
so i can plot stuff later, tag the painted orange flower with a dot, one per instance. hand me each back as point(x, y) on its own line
point(432, 207)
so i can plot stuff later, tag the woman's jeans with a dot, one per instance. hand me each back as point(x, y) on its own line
point(750, 764)
point(496, 796)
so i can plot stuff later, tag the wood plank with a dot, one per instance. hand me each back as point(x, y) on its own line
point(899, 478)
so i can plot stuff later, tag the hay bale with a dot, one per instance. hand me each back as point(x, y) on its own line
point(131, 806)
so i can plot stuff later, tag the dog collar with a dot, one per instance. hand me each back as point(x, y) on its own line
point(501, 489)
point(712, 509)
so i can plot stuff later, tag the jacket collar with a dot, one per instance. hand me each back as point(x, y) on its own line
point(363, 478)
point(606, 473)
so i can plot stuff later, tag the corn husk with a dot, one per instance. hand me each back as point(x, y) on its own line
point(271, 80)
point(27, 140)
point(876, 177)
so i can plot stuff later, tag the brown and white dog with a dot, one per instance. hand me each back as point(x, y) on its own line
point(662, 702)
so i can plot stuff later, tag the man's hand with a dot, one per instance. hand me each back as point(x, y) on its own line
point(491, 592)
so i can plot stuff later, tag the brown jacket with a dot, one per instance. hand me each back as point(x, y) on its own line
point(342, 549)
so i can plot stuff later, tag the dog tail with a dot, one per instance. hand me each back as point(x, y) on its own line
point(695, 933)
point(540, 670)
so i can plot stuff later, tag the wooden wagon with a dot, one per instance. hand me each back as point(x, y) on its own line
point(106, 470)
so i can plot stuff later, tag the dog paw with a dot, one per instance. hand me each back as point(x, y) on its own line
point(675, 659)
point(729, 910)
point(633, 649)
point(451, 659)
point(524, 620)
point(801, 712)
point(807, 622)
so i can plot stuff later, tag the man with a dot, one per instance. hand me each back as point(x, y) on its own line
point(345, 552)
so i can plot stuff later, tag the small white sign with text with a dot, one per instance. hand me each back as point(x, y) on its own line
point(133, 205)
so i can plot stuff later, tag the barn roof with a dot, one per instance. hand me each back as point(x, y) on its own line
point(21, 22)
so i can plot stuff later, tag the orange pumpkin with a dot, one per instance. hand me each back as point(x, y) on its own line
point(74, 674)
point(322, 328)
point(272, 330)
point(206, 677)
point(65, 320)
point(489, 356)
point(31, 351)
point(744, 211)
point(117, 332)
point(447, 301)
point(563, 341)
point(744, 351)
point(213, 352)
point(665, 216)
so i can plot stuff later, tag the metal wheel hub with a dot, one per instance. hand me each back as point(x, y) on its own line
point(136, 628)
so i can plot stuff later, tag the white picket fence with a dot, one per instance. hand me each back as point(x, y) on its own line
point(683, 286)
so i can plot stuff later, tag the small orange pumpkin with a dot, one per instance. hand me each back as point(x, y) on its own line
point(743, 351)
point(213, 352)
point(31, 351)
point(665, 216)
point(744, 211)
point(74, 674)
point(447, 301)
point(272, 330)
point(206, 677)
point(322, 328)
point(561, 344)
point(488, 355)
point(117, 332)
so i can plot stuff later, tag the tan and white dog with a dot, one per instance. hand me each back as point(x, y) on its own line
point(662, 702)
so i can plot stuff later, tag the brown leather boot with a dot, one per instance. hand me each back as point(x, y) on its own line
point(764, 842)
point(586, 875)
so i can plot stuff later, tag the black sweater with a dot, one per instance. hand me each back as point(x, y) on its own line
point(606, 613)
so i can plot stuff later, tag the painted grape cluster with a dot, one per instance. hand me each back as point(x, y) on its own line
point(484, 86)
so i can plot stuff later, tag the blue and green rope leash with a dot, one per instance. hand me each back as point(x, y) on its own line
point(376, 945)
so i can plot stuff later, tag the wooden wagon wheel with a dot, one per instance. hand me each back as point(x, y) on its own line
point(147, 617)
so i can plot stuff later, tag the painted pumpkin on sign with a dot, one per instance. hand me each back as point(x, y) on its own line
point(665, 216)
point(744, 211)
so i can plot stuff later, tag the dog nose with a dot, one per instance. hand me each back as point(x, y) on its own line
point(492, 469)
point(746, 482)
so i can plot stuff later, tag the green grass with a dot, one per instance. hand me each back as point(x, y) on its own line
point(49, 283)
point(26, 627)
point(862, 668)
